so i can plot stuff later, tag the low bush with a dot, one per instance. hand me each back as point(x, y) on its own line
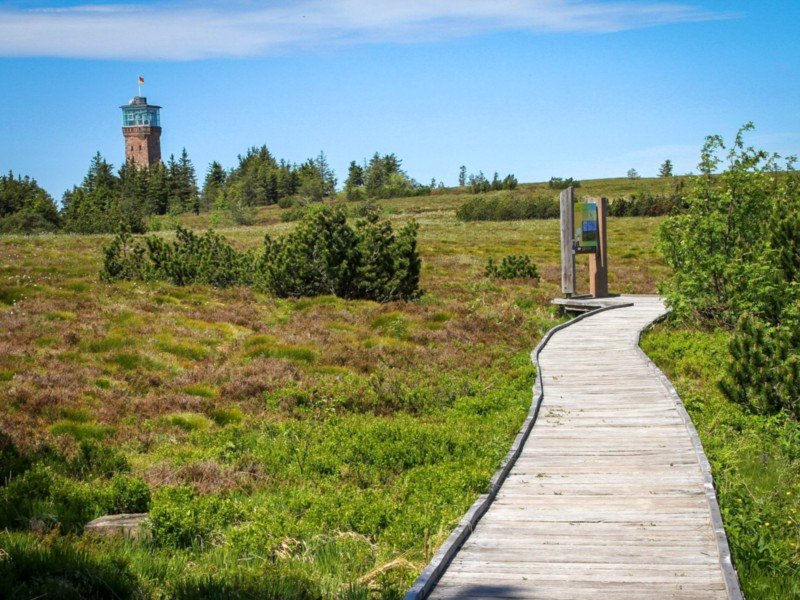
point(42, 499)
point(512, 267)
point(181, 518)
point(97, 459)
point(508, 207)
point(324, 255)
point(207, 259)
point(647, 205)
point(128, 495)
point(764, 369)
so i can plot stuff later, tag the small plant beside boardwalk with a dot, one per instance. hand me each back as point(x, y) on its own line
point(733, 346)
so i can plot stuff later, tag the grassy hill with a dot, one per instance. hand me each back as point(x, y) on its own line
point(291, 447)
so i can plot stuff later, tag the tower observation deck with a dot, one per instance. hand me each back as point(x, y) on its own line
point(141, 127)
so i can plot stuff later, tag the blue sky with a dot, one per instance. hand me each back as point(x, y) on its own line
point(538, 88)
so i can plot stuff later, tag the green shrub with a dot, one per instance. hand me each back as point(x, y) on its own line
point(734, 263)
point(72, 504)
point(724, 251)
point(207, 259)
point(19, 497)
point(124, 259)
point(508, 208)
point(764, 370)
point(181, 518)
point(324, 255)
point(300, 210)
point(734, 260)
point(128, 495)
point(512, 266)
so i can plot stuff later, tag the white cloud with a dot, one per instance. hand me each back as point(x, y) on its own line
point(185, 30)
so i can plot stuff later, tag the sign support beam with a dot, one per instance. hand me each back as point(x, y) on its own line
point(598, 262)
point(567, 250)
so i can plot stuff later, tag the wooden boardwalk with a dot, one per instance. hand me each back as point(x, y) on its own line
point(610, 496)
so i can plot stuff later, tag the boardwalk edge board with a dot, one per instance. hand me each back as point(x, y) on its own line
point(444, 556)
point(726, 561)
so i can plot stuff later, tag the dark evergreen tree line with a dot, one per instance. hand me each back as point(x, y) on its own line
point(260, 179)
point(25, 207)
point(105, 201)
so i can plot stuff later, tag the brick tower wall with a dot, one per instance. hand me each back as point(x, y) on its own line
point(142, 145)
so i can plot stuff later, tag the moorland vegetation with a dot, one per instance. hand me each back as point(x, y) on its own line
point(311, 442)
point(288, 448)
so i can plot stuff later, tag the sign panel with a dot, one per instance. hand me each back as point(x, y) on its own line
point(585, 227)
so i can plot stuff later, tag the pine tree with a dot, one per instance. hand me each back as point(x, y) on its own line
point(666, 169)
point(213, 183)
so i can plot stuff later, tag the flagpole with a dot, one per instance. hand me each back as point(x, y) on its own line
point(140, 87)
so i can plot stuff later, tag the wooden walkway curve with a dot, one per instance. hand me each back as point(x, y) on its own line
point(611, 495)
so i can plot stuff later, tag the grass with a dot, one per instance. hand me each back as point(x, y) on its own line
point(294, 448)
point(755, 462)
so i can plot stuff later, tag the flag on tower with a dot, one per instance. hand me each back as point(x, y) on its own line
point(141, 80)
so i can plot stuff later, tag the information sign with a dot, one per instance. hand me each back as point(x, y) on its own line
point(585, 227)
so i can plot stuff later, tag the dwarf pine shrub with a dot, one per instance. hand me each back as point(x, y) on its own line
point(124, 259)
point(512, 266)
point(324, 255)
point(764, 370)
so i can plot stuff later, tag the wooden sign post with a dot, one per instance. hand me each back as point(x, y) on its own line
point(598, 262)
point(583, 231)
point(567, 236)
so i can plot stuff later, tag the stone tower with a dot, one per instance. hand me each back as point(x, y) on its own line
point(141, 126)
